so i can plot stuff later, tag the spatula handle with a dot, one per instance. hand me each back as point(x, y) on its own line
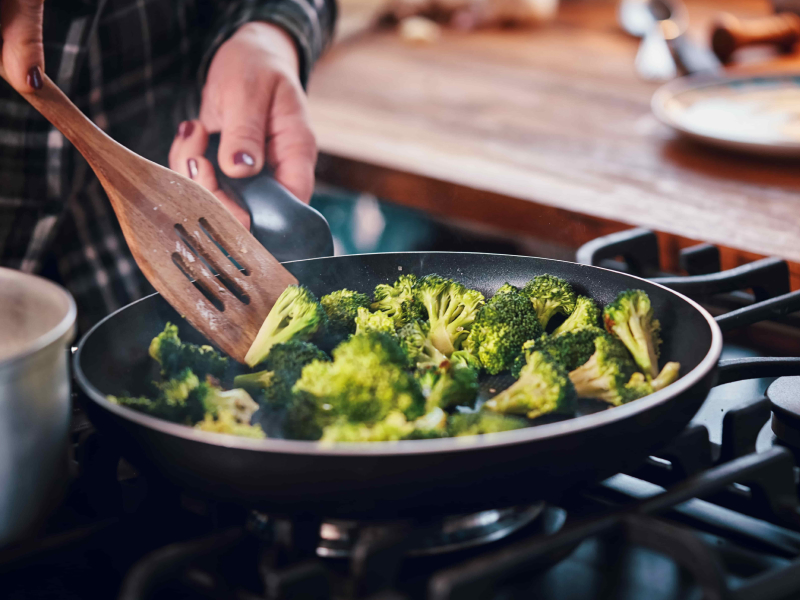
point(288, 228)
point(89, 139)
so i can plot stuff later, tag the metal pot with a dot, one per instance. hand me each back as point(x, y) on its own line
point(37, 321)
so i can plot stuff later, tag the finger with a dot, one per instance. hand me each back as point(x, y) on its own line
point(292, 148)
point(23, 53)
point(244, 123)
point(200, 169)
point(191, 140)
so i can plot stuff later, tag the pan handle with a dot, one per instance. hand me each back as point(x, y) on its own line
point(288, 228)
point(739, 369)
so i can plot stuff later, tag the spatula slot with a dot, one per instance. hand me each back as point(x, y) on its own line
point(197, 282)
point(206, 227)
point(200, 249)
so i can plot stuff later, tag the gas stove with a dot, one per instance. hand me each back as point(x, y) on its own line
point(714, 514)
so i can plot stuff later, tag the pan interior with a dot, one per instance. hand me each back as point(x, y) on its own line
point(115, 361)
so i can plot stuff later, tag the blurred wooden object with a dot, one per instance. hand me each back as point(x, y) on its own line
point(730, 33)
point(547, 132)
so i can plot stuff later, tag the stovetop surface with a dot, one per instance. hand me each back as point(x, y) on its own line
point(640, 534)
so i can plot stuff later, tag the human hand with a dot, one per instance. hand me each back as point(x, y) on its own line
point(23, 53)
point(253, 96)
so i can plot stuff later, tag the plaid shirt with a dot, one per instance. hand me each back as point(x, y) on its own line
point(136, 68)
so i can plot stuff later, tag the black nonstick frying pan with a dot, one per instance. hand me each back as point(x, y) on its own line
point(409, 478)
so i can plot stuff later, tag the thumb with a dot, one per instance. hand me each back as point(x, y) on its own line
point(23, 53)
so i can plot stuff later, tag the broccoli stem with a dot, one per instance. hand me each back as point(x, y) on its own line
point(588, 384)
point(441, 340)
point(639, 343)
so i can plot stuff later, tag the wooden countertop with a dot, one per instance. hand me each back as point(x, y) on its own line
point(547, 132)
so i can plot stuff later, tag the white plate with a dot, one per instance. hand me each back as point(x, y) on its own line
point(756, 114)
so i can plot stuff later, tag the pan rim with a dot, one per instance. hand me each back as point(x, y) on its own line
point(405, 447)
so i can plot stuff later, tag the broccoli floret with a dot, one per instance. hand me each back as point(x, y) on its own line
point(586, 314)
point(483, 422)
point(236, 402)
point(364, 383)
point(284, 364)
point(451, 308)
point(378, 321)
point(181, 399)
point(543, 387)
point(630, 318)
point(398, 301)
point(175, 356)
point(448, 385)
point(606, 373)
point(570, 349)
point(225, 421)
point(503, 324)
point(466, 358)
point(296, 316)
point(414, 338)
point(550, 295)
point(393, 428)
point(342, 307)
point(432, 424)
point(639, 385)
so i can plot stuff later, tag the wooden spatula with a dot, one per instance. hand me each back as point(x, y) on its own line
point(178, 232)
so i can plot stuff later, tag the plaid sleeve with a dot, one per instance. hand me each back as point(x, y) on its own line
point(309, 22)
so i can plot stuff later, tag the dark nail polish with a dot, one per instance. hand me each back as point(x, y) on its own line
point(185, 129)
point(35, 78)
point(191, 165)
point(243, 158)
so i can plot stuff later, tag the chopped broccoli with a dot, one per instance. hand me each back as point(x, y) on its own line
point(174, 356)
point(503, 324)
point(570, 349)
point(668, 375)
point(448, 385)
point(226, 422)
point(483, 422)
point(296, 316)
point(586, 314)
point(398, 301)
point(543, 387)
point(466, 358)
point(342, 307)
point(630, 318)
point(393, 428)
point(364, 383)
point(378, 321)
point(414, 338)
point(605, 375)
point(284, 365)
point(181, 399)
point(236, 402)
point(432, 424)
point(550, 295)
point(451, 308)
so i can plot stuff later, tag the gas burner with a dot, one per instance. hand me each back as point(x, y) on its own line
point(338, 538)
point(784, 399)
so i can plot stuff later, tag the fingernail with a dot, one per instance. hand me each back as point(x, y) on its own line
point(185, 129)
point(243, 158)
point(191, 165)
point(35, 78)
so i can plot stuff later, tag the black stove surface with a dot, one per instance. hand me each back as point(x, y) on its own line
point(642, 534)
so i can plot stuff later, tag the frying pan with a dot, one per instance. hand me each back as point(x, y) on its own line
point(409, 478)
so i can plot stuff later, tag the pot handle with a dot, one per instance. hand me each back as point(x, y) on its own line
point(288, 228)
